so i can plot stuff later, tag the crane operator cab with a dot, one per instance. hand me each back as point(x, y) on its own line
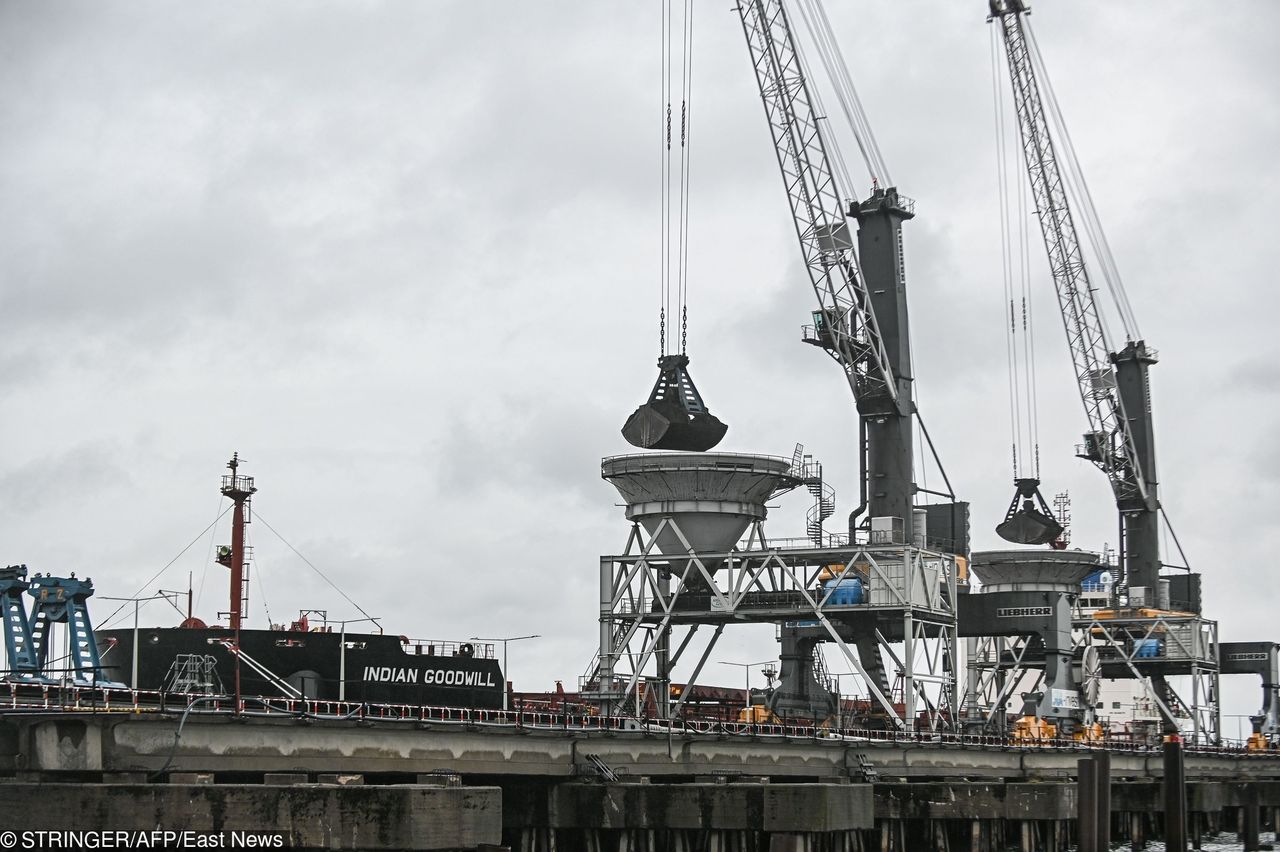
point(822, 332)
point(674, 418)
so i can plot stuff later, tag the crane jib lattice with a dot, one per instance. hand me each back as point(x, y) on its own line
point(1110, 444)
point(845, 325)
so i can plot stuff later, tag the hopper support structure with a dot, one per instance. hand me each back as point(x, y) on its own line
point(697, 561)
point(1028, 636)
point(1175, 653)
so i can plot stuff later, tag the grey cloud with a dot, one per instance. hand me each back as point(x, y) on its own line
point(404, 257)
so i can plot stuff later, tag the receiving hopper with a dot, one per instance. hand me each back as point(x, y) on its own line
point(711, 497)
point(1033, 570)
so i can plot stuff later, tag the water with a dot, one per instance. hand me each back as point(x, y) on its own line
point(1224, 842)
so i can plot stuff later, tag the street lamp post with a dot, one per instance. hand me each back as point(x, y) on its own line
point(746, 667)
point(504, 642)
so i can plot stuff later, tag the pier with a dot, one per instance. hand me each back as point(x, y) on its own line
point(451, 779)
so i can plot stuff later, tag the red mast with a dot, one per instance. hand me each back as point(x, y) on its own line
point(239, 489)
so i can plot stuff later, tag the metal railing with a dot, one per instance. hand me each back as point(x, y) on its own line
point(18, 698)
point(440, 648)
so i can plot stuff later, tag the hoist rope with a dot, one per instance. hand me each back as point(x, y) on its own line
point(1028, 330)
point(664, 291)
point(845, 186)
point(828, 51)
point(675, 222)
point(1078, 188)
point(1015, 252)
point(686, 151)
point(1001, 134)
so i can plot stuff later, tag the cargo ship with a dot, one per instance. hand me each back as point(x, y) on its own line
point(305, 660)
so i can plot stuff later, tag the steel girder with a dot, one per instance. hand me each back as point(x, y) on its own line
point(646, 597)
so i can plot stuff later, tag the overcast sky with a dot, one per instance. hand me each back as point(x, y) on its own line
point(404, 258)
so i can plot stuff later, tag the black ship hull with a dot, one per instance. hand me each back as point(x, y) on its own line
point(373, 668)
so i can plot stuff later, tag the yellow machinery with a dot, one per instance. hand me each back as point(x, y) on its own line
point(756, 714)
point(1258, 741)
point(1139, 612)
point(1089, 734)
point(1034, 728)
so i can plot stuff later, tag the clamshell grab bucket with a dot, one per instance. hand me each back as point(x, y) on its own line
point(675, 417)
point(1025, 522)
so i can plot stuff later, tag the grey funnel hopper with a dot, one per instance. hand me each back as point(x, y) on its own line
point(712, 497)
point(1033, 570)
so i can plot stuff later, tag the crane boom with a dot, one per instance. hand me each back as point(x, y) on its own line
point(1112, 385)
point(861, 321)
point(845, 325)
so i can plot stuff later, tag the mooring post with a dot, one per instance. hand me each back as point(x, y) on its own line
point(1251, 826)
point(1087, 804)
point(1103, 762)
point(1175, 796)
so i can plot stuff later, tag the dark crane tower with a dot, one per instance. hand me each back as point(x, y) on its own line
point(1113, 386)
point(890, 458)
point(862, 319)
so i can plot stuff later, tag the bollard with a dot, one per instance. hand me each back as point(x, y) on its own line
point(1087, 804)
point(1175, 796)
point(1251, 828)
point(1103, 761)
